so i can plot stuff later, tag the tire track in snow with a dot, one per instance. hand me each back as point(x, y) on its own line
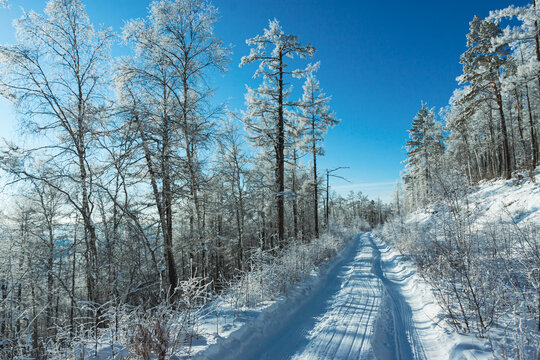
point(360, 343)
point(356, 328)
point(352, 308)
point(337, 333)
point(357, 313)
point(398, 339)
point(352, 316)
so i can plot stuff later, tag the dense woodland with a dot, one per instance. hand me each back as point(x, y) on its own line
point(132, 198)
point(490, 127)
point(132, 189)
point(485, 277)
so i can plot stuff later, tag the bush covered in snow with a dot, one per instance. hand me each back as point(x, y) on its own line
point(174, 327)
point(480, 252)
point(274, 272)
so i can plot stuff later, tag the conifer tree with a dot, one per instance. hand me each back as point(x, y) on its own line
point(317, 118)
point(423, 148)
point(483, 65)
point(267, 104)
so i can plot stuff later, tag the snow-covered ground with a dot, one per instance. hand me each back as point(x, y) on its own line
point(369, 303)
point(419, 313)
point(488, 234)
point(500, 201)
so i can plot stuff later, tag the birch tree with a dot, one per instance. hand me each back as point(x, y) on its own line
point(165, 87)
point(55, 76)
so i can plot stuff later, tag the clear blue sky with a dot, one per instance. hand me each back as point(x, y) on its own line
point(379, 60)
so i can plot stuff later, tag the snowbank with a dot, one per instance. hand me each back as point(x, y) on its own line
point(515, 201)
point(477, 250)
point(437, 339)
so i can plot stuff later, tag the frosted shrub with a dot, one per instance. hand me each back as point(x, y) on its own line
point(151, 335)
point(170, 328)
point(275, 272)
point(485, 279)
point(192, 296)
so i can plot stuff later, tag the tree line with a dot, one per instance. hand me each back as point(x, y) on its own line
point(131, 179)
point(481, 263)
point(490, 128)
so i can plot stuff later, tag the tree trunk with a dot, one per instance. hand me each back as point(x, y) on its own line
point(520, 127)
point(262, 235)
point(327, 200)
point(426, 171)
point(167, 205)
point(50, 280)
point(468, 156)
point(73, 272)
point(194, 181)
point(506, 149)
point(34, 319)
point(171, 278)
point(492, 150)
point(512, 142)
point(280, 159)
point(295, 201)
point(537, 40)
point(239, 217)
point(90, 235)
point(534, 144)
point(315, 180)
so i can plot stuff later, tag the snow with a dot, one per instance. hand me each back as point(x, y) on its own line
point(495, 201)
point(426, 329)
point(505, 212)
point(238, 340)
point(517, 201)
point(368, 303)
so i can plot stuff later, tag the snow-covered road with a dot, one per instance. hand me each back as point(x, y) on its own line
point(359, 312)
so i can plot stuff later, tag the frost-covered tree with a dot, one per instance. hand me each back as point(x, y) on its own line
point(233, 173)
point(490, 130)
point(317, 118)
point(266, 113)
point(293, 153)
point(424, 149)
point(483, 65)
point(138, 204)
point(164, 85)
point(55, 75)
point(524, 40)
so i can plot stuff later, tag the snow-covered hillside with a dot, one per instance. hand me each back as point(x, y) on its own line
point(515, 201)
point(478, 249)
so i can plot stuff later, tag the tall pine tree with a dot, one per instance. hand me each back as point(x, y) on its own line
point(317, 118)
point(267, 104)
point(424, 147)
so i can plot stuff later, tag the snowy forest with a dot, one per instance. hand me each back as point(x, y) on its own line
point(136, 197)
point(481, 257)
point(489, 127)
point(143, 219)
